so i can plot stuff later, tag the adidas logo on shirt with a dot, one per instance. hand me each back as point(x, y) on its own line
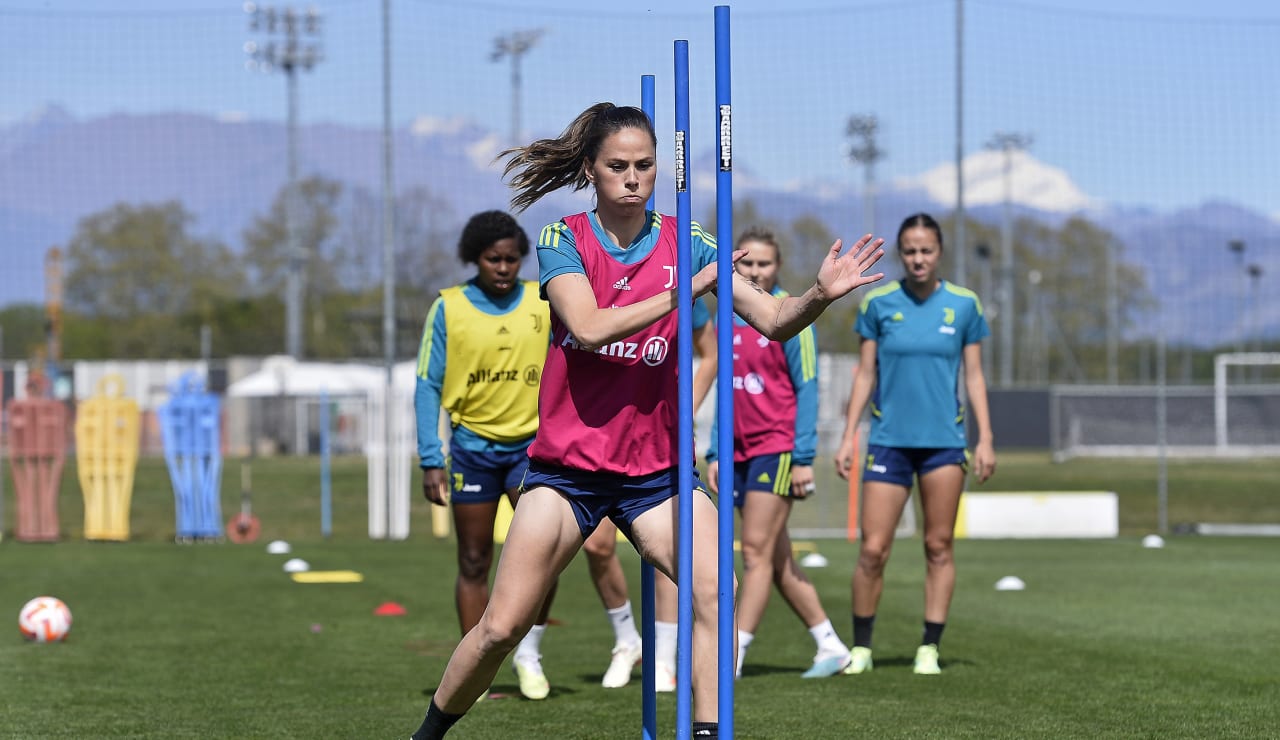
point(503, 330)
point(623, 284)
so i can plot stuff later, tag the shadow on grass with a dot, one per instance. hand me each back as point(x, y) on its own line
point(504, 691)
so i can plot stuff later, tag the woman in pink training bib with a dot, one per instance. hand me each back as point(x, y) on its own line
point(605, 446)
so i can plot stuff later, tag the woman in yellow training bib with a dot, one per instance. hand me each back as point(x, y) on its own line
point(481, 356)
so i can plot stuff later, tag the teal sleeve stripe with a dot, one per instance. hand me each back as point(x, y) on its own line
point(802, 365)
point(697, 232)
point(429, 335)
point(432, 355)
point(965, 293)
point(702, 248)
point(876, 293)
point(426, 406)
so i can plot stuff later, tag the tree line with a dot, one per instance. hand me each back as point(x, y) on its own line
point(141, 283)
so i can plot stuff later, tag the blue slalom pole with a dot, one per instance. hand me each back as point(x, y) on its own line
point(648, 610)
point(326, 495)
point(728, 657)
point(684, 292)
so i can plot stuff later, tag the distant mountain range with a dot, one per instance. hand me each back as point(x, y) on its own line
point(55, 169)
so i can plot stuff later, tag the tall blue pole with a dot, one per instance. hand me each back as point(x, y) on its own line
point(648, 610)
point(684, 292)
point(728, 658)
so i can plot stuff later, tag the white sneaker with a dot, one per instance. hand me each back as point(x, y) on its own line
point(664, 678)
point(624, 659)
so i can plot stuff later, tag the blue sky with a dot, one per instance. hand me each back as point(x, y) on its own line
point(1115, 67)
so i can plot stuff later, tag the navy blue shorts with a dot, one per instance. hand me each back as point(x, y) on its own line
point(482, 477)
point(767, 473)
point(900, 465)
point(596, 496)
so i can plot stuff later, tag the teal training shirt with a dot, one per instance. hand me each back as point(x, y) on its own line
point(558, 254)
point(919, 346)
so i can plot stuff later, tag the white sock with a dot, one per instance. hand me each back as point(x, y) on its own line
point(624, 625)
point(665, 636)
point(744, 639)
point(530, 648)
point(825, 637)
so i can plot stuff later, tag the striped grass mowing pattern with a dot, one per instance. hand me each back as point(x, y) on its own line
point(214, 641)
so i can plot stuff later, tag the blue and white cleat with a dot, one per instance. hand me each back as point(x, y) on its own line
point(826, 665)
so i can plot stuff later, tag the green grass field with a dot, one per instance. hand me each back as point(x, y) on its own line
point(214, 641)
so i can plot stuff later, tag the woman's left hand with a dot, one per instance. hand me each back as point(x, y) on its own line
point(984, 461)
point(802, 485)
point(841, 275)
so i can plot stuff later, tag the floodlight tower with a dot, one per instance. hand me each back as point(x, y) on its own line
point(864, 151)
point(292, 45)
point(514, 46)
point(1255, 277)
point(983, 251)
point(1236, 246)
point(1008, 143)
point(53, 310)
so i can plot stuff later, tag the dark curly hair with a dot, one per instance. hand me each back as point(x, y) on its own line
point(485, 228)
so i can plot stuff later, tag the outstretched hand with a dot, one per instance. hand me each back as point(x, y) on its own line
point(843, 274)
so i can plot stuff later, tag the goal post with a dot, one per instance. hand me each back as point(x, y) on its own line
point(1222, 406)
point(1235, 417)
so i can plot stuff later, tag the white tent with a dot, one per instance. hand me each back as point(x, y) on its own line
point(390, 491)
point(285, 376)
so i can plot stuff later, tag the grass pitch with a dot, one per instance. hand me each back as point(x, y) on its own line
point(214, 641)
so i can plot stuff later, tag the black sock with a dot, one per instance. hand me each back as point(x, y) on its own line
point(862, 630)
point(706, 729)
point(436, 723)
point(932, 633)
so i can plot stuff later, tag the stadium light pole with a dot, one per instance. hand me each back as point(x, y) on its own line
point(1255, 333)
point(514, 46)
point(292, 45)
point(864, 151)
point(2, 404)
point(1113, 318)
point(983, 251)
point(1236, 246)
point(1007, 143)
point(388, 250)
point(960, 239)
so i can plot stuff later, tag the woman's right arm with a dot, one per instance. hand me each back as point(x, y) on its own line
point(432, 355)
point(574, 301)
point(864, 380)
